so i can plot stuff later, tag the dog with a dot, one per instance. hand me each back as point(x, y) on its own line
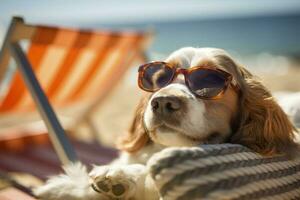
point(196, 96)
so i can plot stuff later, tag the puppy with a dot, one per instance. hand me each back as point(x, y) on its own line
point(197, 96)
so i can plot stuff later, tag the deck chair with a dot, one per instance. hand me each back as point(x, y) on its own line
point(61, 66)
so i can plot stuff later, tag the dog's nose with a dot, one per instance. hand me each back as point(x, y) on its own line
point(165, 105)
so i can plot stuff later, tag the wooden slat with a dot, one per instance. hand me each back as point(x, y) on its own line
point(100, 34)
point(17, 30)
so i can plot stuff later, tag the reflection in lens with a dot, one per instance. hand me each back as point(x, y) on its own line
point(156, 76)
point(206, 83)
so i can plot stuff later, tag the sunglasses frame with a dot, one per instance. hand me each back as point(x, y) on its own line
point(185, 72)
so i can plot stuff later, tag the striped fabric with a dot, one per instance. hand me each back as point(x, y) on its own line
point(224, 171)
point(75, 64)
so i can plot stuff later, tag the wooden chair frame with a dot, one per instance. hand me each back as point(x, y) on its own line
point(19, 30)
point(11, 47)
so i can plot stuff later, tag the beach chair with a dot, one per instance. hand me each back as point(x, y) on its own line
point(64, 67)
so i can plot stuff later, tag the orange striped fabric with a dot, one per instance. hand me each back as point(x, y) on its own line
point(73, 65)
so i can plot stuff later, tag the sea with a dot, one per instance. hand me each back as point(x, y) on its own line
point(276, 35)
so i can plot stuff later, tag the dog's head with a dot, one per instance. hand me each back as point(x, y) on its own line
point(174, 116)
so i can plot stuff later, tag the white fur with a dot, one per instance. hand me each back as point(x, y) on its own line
point(73, 185)
point(190, 125)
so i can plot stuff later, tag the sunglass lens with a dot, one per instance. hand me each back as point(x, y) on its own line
point(206, 83)
point(156, 76)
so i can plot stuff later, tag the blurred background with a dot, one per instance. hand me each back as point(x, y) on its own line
point(263, 35)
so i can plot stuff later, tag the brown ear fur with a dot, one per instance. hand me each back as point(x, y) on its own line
point(136, 137)
point(264, 127)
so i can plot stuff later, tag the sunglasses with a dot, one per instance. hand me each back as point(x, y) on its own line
point(205, 83)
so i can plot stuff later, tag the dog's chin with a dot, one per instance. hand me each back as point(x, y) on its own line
point(168, 136)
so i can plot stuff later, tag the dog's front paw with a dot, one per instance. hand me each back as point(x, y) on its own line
point(119, 182)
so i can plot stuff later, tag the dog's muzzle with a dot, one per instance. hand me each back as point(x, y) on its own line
point(166, 106)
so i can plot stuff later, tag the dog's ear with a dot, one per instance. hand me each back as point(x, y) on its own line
point(136, 137)
point(264, 127)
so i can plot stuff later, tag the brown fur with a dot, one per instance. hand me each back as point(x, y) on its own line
point(264, 127)
point(137, 136)
point(261, 123)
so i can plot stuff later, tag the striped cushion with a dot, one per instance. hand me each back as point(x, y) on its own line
point(224, 171)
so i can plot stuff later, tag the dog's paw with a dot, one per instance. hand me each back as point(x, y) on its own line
point(114, 186)
point(119, 182)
